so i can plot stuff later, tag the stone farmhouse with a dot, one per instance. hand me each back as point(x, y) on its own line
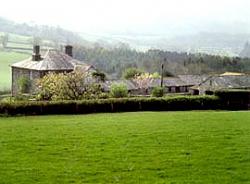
point(39, 65)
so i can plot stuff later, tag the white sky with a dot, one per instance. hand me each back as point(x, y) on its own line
point(126, 15)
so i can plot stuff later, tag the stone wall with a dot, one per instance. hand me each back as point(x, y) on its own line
point(18, 73)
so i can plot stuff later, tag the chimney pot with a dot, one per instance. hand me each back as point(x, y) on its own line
point(36, 53)
point(69, 50)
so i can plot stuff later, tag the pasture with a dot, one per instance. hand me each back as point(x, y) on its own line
point(141, 147)
point(6, 59)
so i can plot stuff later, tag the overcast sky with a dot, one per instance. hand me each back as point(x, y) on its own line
point(141, 16)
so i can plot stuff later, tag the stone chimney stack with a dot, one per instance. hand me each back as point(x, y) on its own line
point(69, 50)
point(36, 56)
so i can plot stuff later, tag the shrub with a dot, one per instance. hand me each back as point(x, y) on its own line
point(110, 105)
point(158, 92)
point(156, 75)
point(234, 99)
point(119, 91)
point(100, 76)
point(66, 86)
point(7, 99)
point(103, 96)
point(131, 73)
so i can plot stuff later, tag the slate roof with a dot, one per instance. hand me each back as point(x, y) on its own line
point(167, 82)
point(145, 83)
point(130, 84)
point(192, 80)
point(53, 60)
point(174, 81)
point(225, 82)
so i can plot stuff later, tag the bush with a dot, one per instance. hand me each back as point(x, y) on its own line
point(234, 99)
point(100, 76)
point(119, 91)
point(158, 92)
point(66, 86)
point(110, 105)
point(103, 96)
point(131, 73)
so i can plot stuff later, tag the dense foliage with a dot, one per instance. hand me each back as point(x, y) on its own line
point(236, 99)
point(99, 76)
point(112, 105)
point(131, 73)
point(115, 60)
point(66, 86)
point(158, 92)
point(119, 90)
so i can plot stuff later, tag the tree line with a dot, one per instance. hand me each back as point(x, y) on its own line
point(114, 61)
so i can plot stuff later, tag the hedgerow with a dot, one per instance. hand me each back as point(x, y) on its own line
point(111, 105)
point(235, 99)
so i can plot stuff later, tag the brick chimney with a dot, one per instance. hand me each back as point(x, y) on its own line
point(69, 50)
point(36, 56)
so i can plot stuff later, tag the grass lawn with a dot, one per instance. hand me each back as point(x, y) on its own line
point(6, 59)
point(146, 147)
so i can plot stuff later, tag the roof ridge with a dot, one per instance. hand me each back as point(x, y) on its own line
point(47, 53)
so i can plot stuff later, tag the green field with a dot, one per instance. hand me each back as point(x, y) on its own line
point(6, 59)
point(146, 147)
point(17, 38)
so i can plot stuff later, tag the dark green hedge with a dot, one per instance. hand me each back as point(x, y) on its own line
point(234, 99)
point(112, 105)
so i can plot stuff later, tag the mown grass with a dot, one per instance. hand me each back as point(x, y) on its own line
point(145, 147)
point(6, 59)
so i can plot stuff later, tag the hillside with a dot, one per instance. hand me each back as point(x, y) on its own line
point(43, 32)
point(224, 44)
point(6, 59)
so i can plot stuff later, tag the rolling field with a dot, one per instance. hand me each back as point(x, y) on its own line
point(17, 38)
point(146, 147)
point(6, 59)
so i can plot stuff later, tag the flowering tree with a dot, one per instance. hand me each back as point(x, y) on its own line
point(144, 80)
point(66, 86)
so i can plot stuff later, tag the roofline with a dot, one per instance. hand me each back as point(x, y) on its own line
point(43, 70)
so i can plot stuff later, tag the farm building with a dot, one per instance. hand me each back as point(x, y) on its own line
point(131, 86)
point(192, 80)
point(37, 66)
point(222, 82)
point(170, 85)
point(145, 86)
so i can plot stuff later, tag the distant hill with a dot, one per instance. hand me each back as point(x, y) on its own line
point(44, 32)
point(203, 42)
point(223, 41)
